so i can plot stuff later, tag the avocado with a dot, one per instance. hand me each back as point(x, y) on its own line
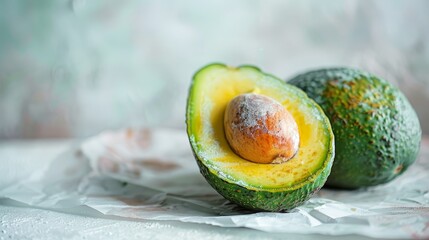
point(278, 184)
point(377, 132)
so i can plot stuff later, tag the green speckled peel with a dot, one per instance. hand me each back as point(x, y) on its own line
point(265, 200)
point(377, 132)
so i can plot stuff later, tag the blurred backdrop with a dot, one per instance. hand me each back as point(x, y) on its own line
point(74, 68)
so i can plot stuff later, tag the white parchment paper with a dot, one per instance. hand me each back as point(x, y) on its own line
point(151, 174)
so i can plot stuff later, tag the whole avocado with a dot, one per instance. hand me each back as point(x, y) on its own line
point(377, 132)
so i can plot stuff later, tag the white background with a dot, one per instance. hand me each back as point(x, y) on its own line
point(73, 68)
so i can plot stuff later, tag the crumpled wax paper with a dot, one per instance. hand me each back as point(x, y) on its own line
point(152, 174)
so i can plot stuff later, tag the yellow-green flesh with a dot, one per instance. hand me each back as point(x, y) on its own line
point(212, 90)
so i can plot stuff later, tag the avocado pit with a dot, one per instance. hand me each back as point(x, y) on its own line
point(259, 129)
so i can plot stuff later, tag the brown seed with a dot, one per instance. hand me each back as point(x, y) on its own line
point(260, 129)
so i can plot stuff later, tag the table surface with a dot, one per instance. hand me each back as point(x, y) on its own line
point(18, 221)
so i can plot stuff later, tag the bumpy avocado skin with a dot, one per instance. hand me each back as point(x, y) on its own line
point(272, 200)
point(260, 200)
point(377, 132)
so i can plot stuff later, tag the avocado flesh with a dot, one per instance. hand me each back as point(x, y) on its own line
point(377, 132)
point(271, 187)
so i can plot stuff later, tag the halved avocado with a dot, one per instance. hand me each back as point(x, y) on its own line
point(258, 186)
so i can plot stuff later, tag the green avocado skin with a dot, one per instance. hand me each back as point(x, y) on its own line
point(264, 200)
point(377, 132)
